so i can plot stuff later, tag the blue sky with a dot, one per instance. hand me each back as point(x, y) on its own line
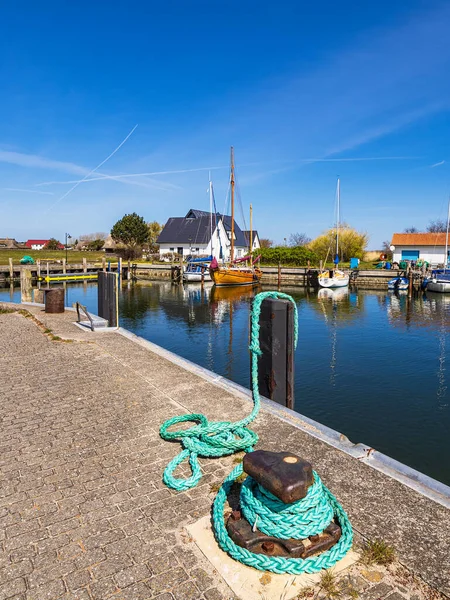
point(305, 92)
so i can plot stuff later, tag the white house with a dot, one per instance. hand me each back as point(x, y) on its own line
point(191, 236)
point(425, 246)
point(255, 239)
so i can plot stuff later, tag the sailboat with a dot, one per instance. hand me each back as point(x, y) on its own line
point(440, 278)
point(237, 272)
point(335, 278)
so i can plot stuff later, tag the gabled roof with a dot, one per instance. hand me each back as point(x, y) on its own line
point(9, 243)
point(30, 243)
point(195, 228)
point(246, 233)
point(418, 239)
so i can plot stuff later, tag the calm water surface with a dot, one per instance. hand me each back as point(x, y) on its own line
point(369, 364)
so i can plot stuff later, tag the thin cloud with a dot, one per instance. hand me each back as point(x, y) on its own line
point(28, 191)
point(438, 164)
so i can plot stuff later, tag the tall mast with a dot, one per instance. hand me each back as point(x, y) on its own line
point(251, 229)
point(446, 237)
point(211, 213)
point(232, 205)
point(338, 216)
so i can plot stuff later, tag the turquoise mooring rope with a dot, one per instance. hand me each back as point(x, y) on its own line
point(308, 516)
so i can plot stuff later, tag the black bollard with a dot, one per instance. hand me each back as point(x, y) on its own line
point(276, 338)
point(108, 297)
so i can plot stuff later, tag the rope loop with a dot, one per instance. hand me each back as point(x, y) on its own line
point(219, 438)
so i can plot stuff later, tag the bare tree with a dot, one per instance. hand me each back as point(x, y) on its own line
point(265, 243)
point(299, 239)
point(438, 226)
point(410, 230)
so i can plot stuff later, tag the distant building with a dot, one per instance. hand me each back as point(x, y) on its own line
point(40, 244)
point(191, 236)
point(255, 239)
point(424, 246)
point(11, 244)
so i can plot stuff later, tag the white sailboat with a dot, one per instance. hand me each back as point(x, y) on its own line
point(440, 278)
point(335, 278)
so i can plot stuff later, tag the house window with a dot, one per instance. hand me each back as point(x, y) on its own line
point(172, 249)
point(197, 249)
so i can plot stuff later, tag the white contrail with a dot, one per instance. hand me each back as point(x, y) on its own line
point(438, 164)
point(28, 191)
point(173, 172)
point(93, 170)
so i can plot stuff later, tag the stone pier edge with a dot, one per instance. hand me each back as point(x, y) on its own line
point(425, 485)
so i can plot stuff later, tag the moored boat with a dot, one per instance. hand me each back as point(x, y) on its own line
point(197, 269)
point(335, 278)
point(398, 283)
point(236, 273)
point(440, 278)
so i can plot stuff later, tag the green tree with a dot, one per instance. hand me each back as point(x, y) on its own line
point(96, 245)
point(132, 232)
point(154, 229)
point(352, 243)
point(53, 244)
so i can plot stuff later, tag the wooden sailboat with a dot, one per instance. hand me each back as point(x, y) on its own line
point(236, 273)
point(336, 278)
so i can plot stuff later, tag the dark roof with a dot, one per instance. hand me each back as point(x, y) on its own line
point(246, 233)
point(195, 228)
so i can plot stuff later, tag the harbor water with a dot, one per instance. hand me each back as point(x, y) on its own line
point(372, 365)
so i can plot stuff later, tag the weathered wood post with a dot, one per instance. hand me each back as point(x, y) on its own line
point(11, 270)
point(119, 267)
point(64, 266)
point(129, 271)
point(108, 297)
point(104, 264)
point(84, 265)
point(276, 338)
point(38, 264)
point(279, 275)
point(25, 285)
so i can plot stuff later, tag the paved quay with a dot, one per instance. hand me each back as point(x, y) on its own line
point(84, 513)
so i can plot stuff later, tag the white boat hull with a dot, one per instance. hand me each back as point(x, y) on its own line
point(438, 286)
point(196, 277)
point(333, 282)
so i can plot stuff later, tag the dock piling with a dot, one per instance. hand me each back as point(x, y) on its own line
point(276, 338)
point(108, 297)
point(25, 285)
point(11, 270)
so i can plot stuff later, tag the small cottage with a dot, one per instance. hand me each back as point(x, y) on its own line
point(191, 236)
point(414, 246)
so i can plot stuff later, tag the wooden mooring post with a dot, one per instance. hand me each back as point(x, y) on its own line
point(25, 285)
point(108, 297)
point(84, 265)
point(276, 364)
point(11, 270)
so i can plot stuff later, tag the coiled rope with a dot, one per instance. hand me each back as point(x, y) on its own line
point(299, 520)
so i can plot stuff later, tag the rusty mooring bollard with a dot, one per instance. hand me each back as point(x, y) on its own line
point(287, 477)
point(54, 300)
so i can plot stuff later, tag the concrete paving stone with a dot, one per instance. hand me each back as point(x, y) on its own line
point(379, 591)
point(132, 575)
point(168, 580)
point(52, 590)
point(186, 591)
point(15, 586)
point(110, 566)
point(136, 591)
point(165, 596)
point(103, 588)
point(14, 570)
point(90, 558)
point(77, 579)
point(162, 563)
point(213, 594)
point(201, 579)
point(395, 596)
